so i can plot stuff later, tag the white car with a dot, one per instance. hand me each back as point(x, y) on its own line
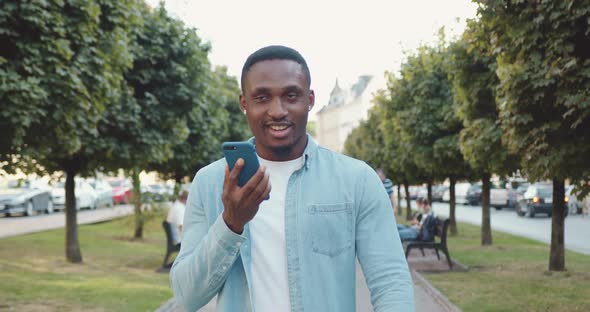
point(86, 196)
point(104, 193)
point(460, 193)
point(574, 204)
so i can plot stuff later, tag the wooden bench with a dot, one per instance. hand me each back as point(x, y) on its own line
point(171, 247)
point(441, 231)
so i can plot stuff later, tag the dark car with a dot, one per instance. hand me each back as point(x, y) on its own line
point(538, 198)
point(24, 196)
point(474, 195)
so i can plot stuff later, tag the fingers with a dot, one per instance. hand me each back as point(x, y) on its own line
point(235, 173)
point(226, 178)
point(265, 193)
point(259, 193)
point(251, 185)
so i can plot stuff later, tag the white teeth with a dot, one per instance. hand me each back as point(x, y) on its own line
point(278, 128)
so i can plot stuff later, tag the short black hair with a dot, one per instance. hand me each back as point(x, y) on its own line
point(275, 52)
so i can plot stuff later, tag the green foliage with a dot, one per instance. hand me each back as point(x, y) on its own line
point(165, 84)
point(543, 55)
point(420, 117)
point(366, 141)
point(62, 65)
point(472, 69)
point(219, 119)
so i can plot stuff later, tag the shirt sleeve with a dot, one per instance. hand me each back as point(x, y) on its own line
point(379, 248)
point(207, 253)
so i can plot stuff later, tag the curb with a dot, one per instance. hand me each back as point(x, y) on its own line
point(438, 297)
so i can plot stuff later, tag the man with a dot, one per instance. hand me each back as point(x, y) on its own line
point(422, 228)
point(295, 251)
point(388, 185)
point(176, 216)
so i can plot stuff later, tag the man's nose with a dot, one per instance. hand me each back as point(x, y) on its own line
point(277, 109)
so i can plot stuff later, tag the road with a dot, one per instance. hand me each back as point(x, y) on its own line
point(577, 227)
point(18, 225)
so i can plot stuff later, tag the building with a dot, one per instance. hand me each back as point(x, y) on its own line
point(344, 111)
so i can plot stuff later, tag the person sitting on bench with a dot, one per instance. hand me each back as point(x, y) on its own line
point(423, 225)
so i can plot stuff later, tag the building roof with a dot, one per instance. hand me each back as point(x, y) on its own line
point(340, 96)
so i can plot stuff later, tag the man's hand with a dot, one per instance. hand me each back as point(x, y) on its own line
point(241, 203)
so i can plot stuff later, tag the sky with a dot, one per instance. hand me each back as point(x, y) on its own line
point(339, 39)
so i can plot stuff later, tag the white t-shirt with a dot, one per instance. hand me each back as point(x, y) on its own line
point(176, 217)
point(270, 285)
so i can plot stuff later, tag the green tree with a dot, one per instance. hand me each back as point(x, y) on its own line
point(167, 81)
point(543, 53)
point(473, 72)
point(365, 142)
point(424, 116)
point(401, 164)
point(62, 66)
point(217, 120)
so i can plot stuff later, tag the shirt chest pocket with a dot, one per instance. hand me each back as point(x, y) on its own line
point(331, 228)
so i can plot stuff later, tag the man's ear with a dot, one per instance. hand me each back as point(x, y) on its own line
point(311, 99)
point(242, 103)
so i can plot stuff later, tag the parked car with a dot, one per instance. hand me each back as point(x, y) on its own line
point(438, 191)
point(422, 193)
point(122, 190)
point(25, 196)
point(460, 193)
point(153, 193)
point(520, 190)
point(414, 192)
point(159, 192)
point(502, 197)
point(104, 193)
point(83, 191)
point(474, 195)
point(575, 204)
point(538, 198)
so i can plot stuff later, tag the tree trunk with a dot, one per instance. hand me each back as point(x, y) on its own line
point(178, 185)
point(486, 225)
point(73, 253)
point(137, 204)
point(429, 189)
point(408, 202)
point(399, 200)
point(453, 222)
point(557, 255)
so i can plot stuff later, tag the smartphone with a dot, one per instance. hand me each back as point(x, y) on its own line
point(245, 150)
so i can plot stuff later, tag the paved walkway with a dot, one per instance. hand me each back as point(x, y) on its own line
point(428, 298)
point(13, 226)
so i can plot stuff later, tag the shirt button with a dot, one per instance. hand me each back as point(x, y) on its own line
point(224, 268)
point(239, 244)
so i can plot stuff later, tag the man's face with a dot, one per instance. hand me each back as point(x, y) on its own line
point(277, 100)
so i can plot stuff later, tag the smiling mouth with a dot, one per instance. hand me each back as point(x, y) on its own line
point(278, 127)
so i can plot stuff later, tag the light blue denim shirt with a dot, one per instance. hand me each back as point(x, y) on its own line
point(336, 209)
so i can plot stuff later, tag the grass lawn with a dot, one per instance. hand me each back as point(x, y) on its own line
point(117, 274)
point(512, 275)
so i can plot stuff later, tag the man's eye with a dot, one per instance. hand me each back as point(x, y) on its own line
point(260, 98)
point(292, 96)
